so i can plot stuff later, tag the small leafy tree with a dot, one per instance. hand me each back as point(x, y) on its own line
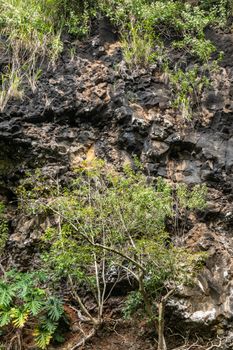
point(106, 219)
point(27, 307)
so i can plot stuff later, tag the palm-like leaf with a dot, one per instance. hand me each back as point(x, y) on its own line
point(5, 318)
point(19, 316)
point(7, 293)
point(42, 338)
point(34, 306)
point(54, 307)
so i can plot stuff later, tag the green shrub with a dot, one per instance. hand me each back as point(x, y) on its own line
point(221, 9)
point(200, 48)
point(105, 220)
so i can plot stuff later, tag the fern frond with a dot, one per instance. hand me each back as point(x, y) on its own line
point(7, 293)
point(5, 318)
point(34, 306)
point(42, 337)
point(19, 316)
point(48, 325)
point(55, 309)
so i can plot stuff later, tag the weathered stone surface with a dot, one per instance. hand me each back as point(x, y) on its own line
point(94, 105)
point(212, 297)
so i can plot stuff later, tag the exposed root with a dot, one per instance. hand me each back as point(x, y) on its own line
point(84, 340)
point(197, 346)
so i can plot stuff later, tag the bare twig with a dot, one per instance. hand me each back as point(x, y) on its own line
point(197, 345)
point(84, 340)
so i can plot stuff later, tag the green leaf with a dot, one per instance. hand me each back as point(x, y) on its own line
point(19, 316)
point(34, 306)
point(42, 338)
point(55, 309)
point(47, 324)
point(59, 338)
point(7, 293)
point(5, 318)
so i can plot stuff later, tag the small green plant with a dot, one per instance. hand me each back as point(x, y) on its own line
point(187, 87)
point(200, 48)
point(138, 47)
point(10, 87)
point(133, 303)
point(25, 305)
point(32, 30)
point(78, 23)
point(4, 230)
point(221, 10)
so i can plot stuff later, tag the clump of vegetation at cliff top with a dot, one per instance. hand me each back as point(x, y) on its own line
point(28, 36)
point(31, 33)
point(153, 30)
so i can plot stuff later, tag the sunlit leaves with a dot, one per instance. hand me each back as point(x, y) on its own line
point(42, 338)
point(19, 316)
point(194, 199)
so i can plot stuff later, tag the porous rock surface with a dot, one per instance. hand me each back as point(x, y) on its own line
point(93, 105)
